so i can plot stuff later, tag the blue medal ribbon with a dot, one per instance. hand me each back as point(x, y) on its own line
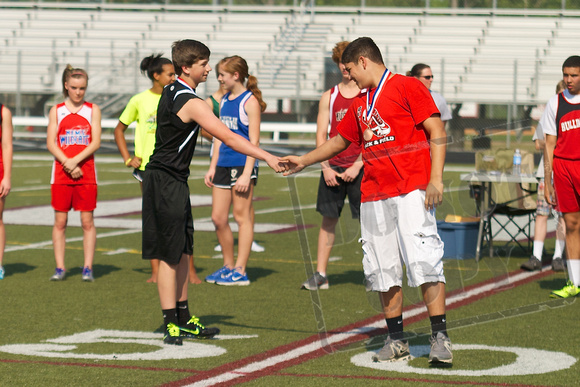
point(382, 82)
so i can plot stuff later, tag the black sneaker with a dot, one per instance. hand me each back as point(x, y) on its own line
point(172, 335)
point(558, 264)
point(195, 330)
point(532, 264)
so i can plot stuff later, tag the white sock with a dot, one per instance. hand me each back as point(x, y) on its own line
point(538, 249)
point(322, 273)
point(574, 271)
point(559, 249)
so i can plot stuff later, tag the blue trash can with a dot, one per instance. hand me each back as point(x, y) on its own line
point(460, 239)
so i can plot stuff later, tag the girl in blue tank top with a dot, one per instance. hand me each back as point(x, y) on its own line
point(231, 175)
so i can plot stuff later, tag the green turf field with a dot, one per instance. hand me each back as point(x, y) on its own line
point(107, 333)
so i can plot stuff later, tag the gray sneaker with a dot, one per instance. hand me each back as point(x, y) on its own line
point(532, 264)
point(558, 264)
point(58, 275)
point(440, 349)
point(394, 350)
point(316, 281)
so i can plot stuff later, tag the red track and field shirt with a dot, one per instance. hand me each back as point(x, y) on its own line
point(396, 151)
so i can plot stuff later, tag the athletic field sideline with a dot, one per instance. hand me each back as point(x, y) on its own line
point(504, 327)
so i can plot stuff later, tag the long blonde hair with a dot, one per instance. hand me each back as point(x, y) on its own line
point(237, 64)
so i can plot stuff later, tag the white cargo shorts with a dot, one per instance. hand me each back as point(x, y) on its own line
point(400, 231)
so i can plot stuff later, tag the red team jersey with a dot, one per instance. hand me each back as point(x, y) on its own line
point(1, 159)
point(568, 127)
point(74, 133)
point(396, 151)
point(338, 107)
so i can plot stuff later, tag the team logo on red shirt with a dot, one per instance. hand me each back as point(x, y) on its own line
point(75, 136)
point(375, 126)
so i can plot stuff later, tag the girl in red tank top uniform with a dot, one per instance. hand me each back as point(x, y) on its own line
point(73, 136)
point(5, 172)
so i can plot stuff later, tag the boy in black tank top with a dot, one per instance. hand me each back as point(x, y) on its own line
point(166, 205)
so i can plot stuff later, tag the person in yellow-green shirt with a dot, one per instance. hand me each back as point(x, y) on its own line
point(142, 108)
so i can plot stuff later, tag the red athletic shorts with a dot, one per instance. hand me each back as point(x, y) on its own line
point(81, 197)
point(566, 184)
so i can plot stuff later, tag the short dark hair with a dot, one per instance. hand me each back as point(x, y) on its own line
point(573, 61)
point(187, 52)
point(417, 70)
point(362, 47)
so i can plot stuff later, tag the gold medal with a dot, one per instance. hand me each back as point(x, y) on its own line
point(368, 134)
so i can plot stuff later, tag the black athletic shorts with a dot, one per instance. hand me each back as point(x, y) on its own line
point(330, 200)
point(226, 177)
point(167, 219)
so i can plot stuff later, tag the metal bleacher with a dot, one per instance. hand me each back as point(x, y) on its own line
point(472, 55)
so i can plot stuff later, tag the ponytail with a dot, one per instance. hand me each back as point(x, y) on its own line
point(252, 85)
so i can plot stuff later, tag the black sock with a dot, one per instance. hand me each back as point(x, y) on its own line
point(395, 327)
point(183, 315)
point(169, 316)
point(438, 324)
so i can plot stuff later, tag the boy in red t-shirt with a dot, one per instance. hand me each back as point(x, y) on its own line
point(404, 142)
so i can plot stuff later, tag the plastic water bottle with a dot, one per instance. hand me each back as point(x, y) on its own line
point(517, 167)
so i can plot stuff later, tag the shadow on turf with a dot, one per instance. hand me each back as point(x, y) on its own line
point(17, 268)
point(255, 273)
point(147, 270)
point(552, 284)
point(218, 320)
point(98, 270)
point(355, 277)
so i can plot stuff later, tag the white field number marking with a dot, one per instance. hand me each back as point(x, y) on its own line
point(529, 361)
point(61, 347)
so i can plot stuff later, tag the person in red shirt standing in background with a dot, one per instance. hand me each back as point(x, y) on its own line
point(73, 136)
point(341, 175)
point(5, 173)
point(561, 125)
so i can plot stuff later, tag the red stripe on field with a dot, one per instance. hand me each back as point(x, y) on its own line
point(225, 368)
point(417, 380)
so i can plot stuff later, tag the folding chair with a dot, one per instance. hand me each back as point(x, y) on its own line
point(512, 209)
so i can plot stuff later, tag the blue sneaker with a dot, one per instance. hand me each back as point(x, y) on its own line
point(235, 278)
point(87, 275)
point(219, 274)
point(1, 272)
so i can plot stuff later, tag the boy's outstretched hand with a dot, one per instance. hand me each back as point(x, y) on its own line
point(277, 164)
point(293, 165)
